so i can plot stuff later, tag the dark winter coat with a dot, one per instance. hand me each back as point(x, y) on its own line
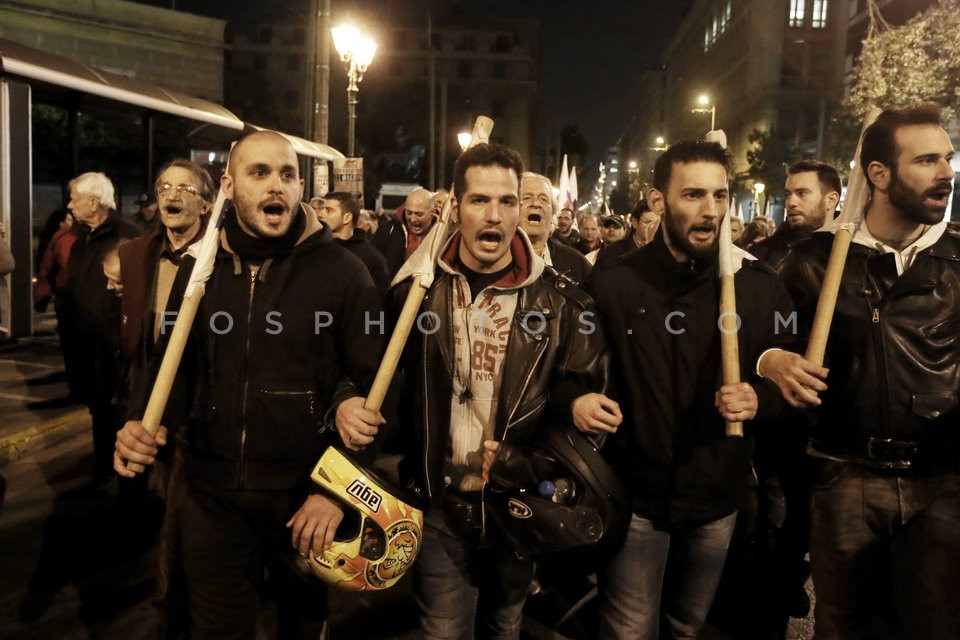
point(671, 450)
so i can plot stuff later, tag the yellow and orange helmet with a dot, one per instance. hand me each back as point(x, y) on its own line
point(380, 535)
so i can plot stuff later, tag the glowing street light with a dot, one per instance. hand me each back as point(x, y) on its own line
point(464, 139)
point(704, 100)
point(356, 51)
point(758, 188)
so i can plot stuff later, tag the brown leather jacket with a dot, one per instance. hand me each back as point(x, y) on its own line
point(545, 369)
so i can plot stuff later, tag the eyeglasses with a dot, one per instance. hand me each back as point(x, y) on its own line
point(181, 189)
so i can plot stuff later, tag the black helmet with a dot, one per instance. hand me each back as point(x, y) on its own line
point(558, 495)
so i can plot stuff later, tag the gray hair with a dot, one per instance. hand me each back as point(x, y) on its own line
point(553, 195)
point(95, 184)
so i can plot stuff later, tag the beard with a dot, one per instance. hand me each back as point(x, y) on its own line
point(673, 227)
point(250, 214)
point(912, 204)
point(814, 220)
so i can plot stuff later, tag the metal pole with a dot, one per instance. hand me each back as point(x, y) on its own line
point(713, 117)
point(322, 109)
point(352, 92)
point(311, 67)
point(443, 130)
point(432, 70)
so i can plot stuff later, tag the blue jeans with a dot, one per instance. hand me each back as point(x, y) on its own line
point(669, 572)
point(460, 584)
point(879, 537)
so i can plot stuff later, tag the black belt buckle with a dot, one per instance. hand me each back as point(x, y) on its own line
point(464, 517)
point(893, 454)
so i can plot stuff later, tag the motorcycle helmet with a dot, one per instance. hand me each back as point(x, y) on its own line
point(558, 496)
point(380, 535)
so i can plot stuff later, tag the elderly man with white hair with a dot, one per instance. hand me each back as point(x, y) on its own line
point(89, 352)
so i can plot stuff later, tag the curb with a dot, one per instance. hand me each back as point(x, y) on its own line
point(45, 434)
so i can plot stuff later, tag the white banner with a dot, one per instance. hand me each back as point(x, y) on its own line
point(349, 177)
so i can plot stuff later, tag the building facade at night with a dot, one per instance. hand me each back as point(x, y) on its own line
point(782, 67)
point(171, 49)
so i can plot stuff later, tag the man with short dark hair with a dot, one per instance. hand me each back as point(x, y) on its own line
point(687, 479)
point(340, 212)
point(811, 194)
point(566, 232)
point(886, 435)
point(146, 216)
point(643, 225)
point(522, 361)
point(537, 205)
point(281, 356)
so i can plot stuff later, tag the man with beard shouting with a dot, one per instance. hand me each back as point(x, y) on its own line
point(278, 362)
point(886, 434)
point(660, 303)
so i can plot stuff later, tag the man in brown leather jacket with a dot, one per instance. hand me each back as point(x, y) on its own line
point(525, 355)
point(886, 442)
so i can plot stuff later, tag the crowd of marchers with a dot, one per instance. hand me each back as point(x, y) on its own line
point(521, 437)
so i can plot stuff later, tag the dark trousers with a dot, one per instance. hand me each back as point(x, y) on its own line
point(888, 544)
point(228, 538)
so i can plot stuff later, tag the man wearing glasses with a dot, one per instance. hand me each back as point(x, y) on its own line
point(149, 264)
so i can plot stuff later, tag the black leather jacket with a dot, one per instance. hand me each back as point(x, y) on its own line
point(893, 354)
point(544, 371)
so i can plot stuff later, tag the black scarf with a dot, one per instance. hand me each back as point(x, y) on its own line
point(251, 247)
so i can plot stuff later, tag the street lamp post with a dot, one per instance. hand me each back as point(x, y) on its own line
point(704, 100)
point(356, 51)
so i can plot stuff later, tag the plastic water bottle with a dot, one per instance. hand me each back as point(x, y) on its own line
point(560, 490)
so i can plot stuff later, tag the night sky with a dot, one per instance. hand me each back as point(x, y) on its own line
point(591, 58)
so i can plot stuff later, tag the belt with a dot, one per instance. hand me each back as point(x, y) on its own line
point(891, 454)
point(463, 514)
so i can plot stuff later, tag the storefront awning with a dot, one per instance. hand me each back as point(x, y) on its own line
point(19, 60)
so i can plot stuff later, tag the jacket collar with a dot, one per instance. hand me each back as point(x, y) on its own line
point(527, 265)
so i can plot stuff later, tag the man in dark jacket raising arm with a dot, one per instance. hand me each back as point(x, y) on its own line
point(280, 344)
point(886, 435)
point(660, 303)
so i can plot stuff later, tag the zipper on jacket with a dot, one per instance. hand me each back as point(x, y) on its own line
point(526, 383)
point(242, 470)
point(881, 365)
point(426, 420)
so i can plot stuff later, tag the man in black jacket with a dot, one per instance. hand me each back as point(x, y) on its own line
point(93, 365)
point(687, 478)
point(643, 225)
point(340, 212)
point(811, 194)
point(399, 237)
point(775, 569)
point(282, 354)
point(886, 437)
point(525, 356)
point(537, 205)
